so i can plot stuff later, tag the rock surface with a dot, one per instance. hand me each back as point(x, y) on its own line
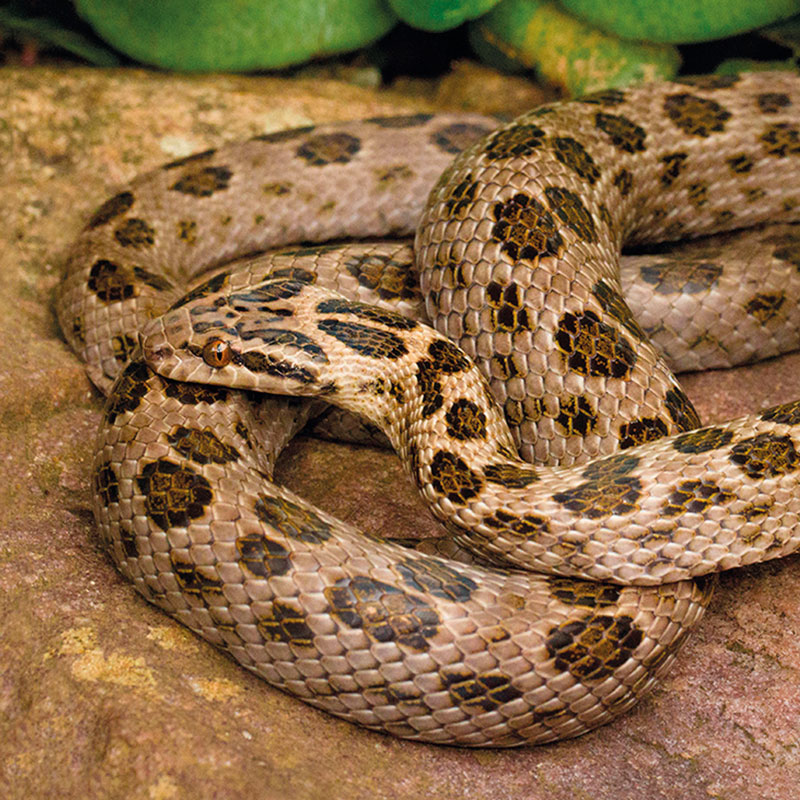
point(103, 696)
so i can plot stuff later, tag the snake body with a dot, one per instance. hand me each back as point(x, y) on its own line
point(518, 252)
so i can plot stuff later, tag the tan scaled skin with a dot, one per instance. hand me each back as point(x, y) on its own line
point(518, 253)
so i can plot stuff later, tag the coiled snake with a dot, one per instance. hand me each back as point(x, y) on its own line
point(518, 254)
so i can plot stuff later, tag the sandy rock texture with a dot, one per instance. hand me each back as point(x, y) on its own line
point(103, 696)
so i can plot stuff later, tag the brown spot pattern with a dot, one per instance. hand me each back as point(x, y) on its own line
point(453, 479)
point(591, 347)
point(765, 306)
point(696, 116)
point(113, 207)
point(786, 414)
point(772, 102)
point(458, 136)
point(781, 139)
point(478, 693)
point(460, 197)
point(130, 388)
point(569, 208)
point(583, 594)
point(695, 497)
point(525, 228)
point(680, 408)
point(329, 148)
point(441, 580)
point(674, 164)
point(286, 623)
point(591, 649)
point(576, 415)
point(765, 455)
point(573, 154)
point(526, 526)
point(203, 182)
point(174, 494)
point(261, 556)
point(702, 440)
point(135, 233)
point(690, 277)
point(384, 612)
point(292, 520)
point(639, 431)
point(518, 141)
point(465, 420)
point(201, 446)
point(510, 475)
point(625, 135)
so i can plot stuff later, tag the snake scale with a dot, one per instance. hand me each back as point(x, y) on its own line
point(518, 257)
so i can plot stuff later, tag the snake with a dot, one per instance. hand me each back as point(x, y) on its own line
point(539, 422)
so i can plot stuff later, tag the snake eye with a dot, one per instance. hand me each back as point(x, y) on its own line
point(217, 353)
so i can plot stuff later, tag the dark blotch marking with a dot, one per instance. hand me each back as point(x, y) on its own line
point(211, 286)
point(452, 478)
point(203, 155)
point(625, 135)
point(128, 391)
point(365, 311)
point(604, 97)
point(695, 497)
point(201, 446)
point(623, 180)
point(507, 308)
point(113, 207)
point(286, 623)
point(479, 692)
point(199, 581)
point(697, 194)
point(401, 121)
point(520, 140)
point(284, 136)
point(203, 182)
point(136, 233)
point(608, 488)
point(261, 556)
point(441, 580)
point(465, 420)
point(292, 520)
point(591, 347)
point(696, 116)
point(772, 102)
point(459, 198)
point(112, 282)
point(583, 594)
point(191, 394)
point(444, 358)
point(391, 279)
point(174, 494)
point(384, 612)
point(740, 164)
point(573, 154)
point(526, 526)
point(510, 475)
point(680, 408)
point(106, 484)
point(329, 148)
point(123, 346)
point(690, 277)
point(152, 279)
point(781, 139)
point(673, 166)
point(576, 416)
point(639, 431)
point(765, 306)
point(569, 208)
point(766, 454)
point(613, 304)
point(702, 440)
point(786, 414)
point(525, 228)
point(591, 649)
point(363, 339)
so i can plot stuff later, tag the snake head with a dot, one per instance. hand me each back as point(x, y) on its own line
point(244, 339)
